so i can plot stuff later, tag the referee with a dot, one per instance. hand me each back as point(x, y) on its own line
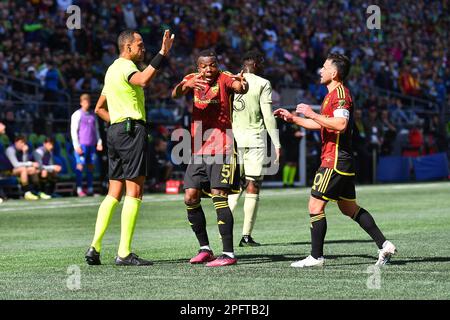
point(127, 141)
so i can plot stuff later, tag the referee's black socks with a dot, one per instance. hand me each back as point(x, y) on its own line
point(197, 220)
point(366, 221)
point(225, 221)
point(318, 231)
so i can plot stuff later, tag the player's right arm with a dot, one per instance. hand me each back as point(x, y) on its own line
point(143, 78)
point(12, 157)
point(288, 117)
point(189, 83)
point(74, 126)
point(101, 110)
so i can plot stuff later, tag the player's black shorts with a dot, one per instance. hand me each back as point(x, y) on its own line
point(207, 172)
point(127, 152)
point(330, 185)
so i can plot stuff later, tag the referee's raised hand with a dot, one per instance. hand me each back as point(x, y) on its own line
point(167, 42)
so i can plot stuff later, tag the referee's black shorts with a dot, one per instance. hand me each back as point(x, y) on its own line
point(210, 172)
point(127, 152)
point(330, 185)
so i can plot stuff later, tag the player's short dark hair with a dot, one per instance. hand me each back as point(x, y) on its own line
point(20, 138)
point(342, 64)
point(124, 37)
point(253, 55)
point(207, 53)
point(49, 140)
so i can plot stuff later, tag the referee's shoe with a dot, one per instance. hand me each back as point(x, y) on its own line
point(92, 257)
point(132, 260)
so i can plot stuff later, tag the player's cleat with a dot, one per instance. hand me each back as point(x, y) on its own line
point(221, 261)
point(82, 194)
point(92, 257)
point(204, 255)
point(132, 260)
point(44, 196)
point(247, 241)
point(30, 196)
point(309, 261)
point(384, 255)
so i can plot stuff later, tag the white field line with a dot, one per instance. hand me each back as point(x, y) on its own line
point(21, 205)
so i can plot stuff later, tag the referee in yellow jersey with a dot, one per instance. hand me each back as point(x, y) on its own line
point(121, 103)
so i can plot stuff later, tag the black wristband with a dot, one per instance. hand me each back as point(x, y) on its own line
point(157, 61)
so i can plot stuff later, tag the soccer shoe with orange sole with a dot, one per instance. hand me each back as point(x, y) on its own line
point(204, 255)
point(222, 261)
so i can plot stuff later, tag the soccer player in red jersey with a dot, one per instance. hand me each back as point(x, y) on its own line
point(213, 162)
point(335, 179)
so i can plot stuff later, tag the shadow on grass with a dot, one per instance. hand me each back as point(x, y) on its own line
point(244, 258)
point(268, 258)
point(255, 259)
point(307, 243)
point(419, 260)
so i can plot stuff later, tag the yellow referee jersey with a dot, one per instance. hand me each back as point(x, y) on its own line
point(124, 99)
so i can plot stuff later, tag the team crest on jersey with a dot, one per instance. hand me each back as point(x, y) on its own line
point(341, 103)
point(215, 89)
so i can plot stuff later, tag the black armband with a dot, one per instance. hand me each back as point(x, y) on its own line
point(157, 61)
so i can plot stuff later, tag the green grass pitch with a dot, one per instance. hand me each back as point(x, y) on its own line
point(40, 241)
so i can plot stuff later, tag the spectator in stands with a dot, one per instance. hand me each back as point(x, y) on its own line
point(374, 128)
point(87, 83)
point(390, 133)
point(2, 193)
point(375, 136)
point(2, 129)
point(360, 148)
point(290, 136)
point(160, 165)
point(400, 117)
point(109, 56)
point(53, 81)
point(48, 169)
point(86, 141)
point(415, 142)
point(409, 82)
point(25, 169)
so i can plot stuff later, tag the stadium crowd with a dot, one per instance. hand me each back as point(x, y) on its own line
point(408, 55)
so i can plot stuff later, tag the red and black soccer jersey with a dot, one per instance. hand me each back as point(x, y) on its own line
point(337, 150)
point(211, 116)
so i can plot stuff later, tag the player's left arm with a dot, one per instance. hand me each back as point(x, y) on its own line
point(338, 122)
point(265, 102)
point(101, 109)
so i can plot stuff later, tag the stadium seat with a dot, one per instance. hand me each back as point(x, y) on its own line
point(63, 153)
point(41, 139)
point(4, 140)
point(33, 141)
